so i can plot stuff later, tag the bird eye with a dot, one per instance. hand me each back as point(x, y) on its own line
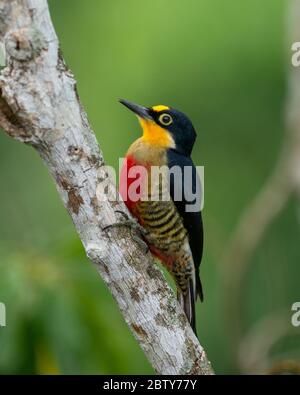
point(165, 119)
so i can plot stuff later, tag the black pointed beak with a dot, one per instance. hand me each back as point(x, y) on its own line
point(141, 111)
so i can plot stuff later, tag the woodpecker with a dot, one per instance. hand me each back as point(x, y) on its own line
point(173, 233)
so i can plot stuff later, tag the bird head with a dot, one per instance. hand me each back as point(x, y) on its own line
point(165, 127)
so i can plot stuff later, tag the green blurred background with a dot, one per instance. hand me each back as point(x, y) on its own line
point(224, 64)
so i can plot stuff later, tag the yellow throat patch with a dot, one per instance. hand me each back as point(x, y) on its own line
point(155, 134)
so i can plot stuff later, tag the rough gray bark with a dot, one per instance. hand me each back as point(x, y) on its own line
point(39, 106)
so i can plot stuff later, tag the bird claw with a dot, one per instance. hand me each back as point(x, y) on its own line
point(133, 224)
point(140, 242)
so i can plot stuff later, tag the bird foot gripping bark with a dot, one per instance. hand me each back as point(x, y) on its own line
point(134, 226)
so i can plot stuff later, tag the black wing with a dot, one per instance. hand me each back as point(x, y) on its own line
point(192, 219)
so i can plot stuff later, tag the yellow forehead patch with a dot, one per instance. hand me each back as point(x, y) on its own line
point(160, 107)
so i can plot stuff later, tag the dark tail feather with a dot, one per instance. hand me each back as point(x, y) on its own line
point(187, 302)
point(199, 289)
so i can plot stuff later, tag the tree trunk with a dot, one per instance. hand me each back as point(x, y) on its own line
point(39, 106)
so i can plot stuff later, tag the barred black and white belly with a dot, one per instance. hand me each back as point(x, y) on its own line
point(164, 229)
point(163, 225)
